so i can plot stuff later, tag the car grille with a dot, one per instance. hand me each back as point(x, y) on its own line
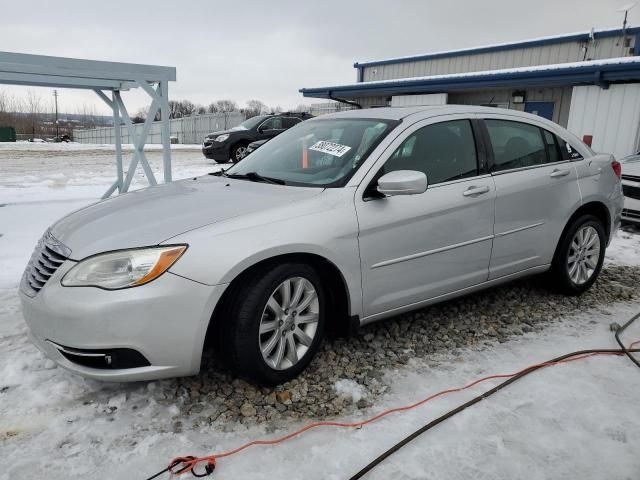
point(631, 191)
point(631, 215)
point(48, 255)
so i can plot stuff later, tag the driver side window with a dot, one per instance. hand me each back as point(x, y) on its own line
point(443, 151)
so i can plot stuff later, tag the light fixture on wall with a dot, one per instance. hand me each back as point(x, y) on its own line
point(518, 96)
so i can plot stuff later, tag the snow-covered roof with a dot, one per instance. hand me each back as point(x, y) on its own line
point(592, 71)
point(532, 42)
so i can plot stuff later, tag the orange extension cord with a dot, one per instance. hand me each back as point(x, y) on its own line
point(183, 465)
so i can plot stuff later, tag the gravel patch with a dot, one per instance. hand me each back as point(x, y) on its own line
point(349, 374)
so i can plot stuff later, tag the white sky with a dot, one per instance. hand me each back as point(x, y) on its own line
point(269, 49)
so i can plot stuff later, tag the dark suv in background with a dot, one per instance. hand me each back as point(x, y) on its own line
point(232, 144)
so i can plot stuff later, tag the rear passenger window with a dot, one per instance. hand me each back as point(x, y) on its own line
point(567, 151)
point(443, 151)
point(552, 147)
point(289, 122)
point(515, 145)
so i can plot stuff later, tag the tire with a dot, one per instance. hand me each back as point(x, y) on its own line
point(574, 270)
point(238, 152)
point(251, 310)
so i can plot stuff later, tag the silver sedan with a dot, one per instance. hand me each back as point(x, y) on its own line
point(340, 221)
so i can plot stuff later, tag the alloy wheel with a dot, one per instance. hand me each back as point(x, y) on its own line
point(584, 254)
point(289, 323)
point(241, 152)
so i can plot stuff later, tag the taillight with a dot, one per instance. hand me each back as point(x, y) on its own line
point(617, 168)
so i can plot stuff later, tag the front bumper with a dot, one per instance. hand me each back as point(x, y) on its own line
point(165, 321)
point(220, 152)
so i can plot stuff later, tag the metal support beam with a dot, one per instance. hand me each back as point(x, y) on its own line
point(60, 72)
point(118, 139)
point(138, 142)
point(118, 184)
point(166, 129)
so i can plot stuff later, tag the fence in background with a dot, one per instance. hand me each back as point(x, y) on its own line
point(187, 130)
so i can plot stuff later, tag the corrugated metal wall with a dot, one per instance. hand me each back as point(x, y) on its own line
point(188, 130)
point(560, 96)
point(608, 47)
point(611, 116)
point(424, 99)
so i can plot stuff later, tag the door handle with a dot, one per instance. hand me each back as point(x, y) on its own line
point(473, 191)
point(557, 173)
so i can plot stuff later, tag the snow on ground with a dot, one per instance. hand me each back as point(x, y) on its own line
point(572, 421)
point(625, 247)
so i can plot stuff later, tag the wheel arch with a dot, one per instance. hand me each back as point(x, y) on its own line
point(597, 209)
point(339, 321)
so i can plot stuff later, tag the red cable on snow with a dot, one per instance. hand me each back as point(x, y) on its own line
point(182, 465)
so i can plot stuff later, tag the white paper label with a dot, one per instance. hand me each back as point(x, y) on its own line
point(331, 148)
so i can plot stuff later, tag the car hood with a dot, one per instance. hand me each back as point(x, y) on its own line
point(223, 132)
point(152, 215)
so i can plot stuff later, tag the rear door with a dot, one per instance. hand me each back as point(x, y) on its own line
point(536, 189)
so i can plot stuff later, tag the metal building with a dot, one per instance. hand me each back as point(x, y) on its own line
point(588, 82)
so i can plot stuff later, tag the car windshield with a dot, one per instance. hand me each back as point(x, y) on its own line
point(316, 153)
point(250, 123)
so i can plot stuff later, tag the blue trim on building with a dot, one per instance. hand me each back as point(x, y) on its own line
point(576, 37)
point(598, 74)
point(636, 45)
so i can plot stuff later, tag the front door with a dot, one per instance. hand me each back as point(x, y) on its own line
point(417, 247)
point(270, 128)
point(542, 109)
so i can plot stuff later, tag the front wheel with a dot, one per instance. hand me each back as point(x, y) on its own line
point(580, 255)
point(275, 324)
point(238, 152)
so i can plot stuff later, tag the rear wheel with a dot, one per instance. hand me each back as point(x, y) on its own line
point(580, 255)
point(275, 324)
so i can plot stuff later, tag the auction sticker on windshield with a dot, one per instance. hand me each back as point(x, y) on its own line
point(331, 148)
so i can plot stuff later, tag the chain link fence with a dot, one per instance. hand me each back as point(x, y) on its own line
point(187, 130)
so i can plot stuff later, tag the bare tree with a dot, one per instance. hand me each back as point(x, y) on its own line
point(226, 106)
point(140, 116)
point(34, 108)
point(254, 108)
point(181, 108)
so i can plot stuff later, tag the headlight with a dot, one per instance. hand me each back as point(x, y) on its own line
point(124, 268)
point(222, 138)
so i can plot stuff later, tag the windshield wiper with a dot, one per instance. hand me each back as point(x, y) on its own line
point(254, 177)
point(220, 173)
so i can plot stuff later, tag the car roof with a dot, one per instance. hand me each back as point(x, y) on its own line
point(399, 113)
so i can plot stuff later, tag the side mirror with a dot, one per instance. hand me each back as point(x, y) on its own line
point(402, 182)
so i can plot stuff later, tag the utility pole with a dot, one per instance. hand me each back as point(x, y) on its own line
point(625, 10)
point(55, 96)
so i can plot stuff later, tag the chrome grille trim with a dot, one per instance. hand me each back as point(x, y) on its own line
point(47, 257)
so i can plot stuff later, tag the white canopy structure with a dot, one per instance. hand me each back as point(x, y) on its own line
point(103, 77)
